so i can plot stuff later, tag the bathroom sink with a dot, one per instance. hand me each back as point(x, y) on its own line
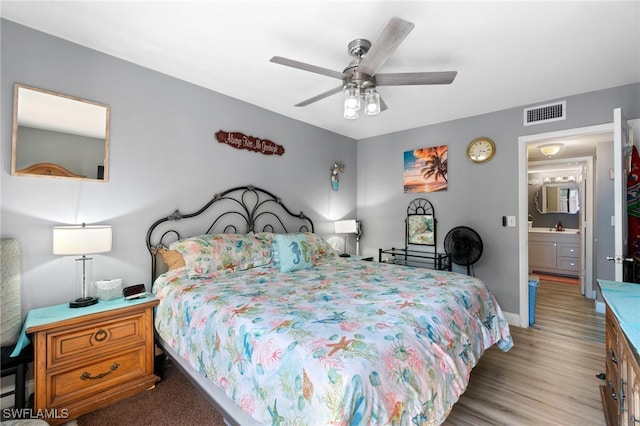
point(553, 230)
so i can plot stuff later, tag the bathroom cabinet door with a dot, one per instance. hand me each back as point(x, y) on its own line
point(542, 255)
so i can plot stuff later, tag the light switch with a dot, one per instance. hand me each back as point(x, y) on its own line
point(511, 221)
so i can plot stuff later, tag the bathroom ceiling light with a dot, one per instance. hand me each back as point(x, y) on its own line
point(550, 149)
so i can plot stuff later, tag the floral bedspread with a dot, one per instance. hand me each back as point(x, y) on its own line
point(347, 342)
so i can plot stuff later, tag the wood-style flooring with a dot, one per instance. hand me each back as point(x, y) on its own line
point(549, 376)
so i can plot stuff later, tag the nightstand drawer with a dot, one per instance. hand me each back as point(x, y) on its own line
point(89, 379)
point(92, 339)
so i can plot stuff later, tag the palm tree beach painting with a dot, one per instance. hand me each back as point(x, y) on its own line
point(425, 169)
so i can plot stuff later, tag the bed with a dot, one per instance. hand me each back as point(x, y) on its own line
point(276, 328)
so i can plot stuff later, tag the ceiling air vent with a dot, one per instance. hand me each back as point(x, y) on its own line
point(545, 113)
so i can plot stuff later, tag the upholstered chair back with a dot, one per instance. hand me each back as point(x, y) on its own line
point(10, 307)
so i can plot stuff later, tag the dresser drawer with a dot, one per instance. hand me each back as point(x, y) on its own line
point(91, 340)
point(69, 385)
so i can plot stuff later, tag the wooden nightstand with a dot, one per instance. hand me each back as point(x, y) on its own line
point(87, 361)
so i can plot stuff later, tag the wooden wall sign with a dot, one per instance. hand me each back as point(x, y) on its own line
point(250, 143)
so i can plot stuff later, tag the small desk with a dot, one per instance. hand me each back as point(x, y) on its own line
point(417, 258)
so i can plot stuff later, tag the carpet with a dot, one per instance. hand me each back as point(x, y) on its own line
point(173, 402)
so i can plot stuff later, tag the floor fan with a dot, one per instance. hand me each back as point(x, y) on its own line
point(463, 245)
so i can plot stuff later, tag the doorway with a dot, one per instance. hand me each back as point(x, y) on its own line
point(569, 137)
point(561, 192)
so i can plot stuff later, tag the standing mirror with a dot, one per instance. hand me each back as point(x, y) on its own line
point(61, 136)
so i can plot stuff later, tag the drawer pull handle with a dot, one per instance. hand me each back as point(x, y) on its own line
point(87, 376)
point(100, 335)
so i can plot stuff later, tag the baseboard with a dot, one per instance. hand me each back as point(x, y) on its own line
point(600, 307)
point(512, 319)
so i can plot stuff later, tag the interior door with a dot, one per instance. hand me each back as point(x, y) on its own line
point(620, 167)
point(582, 221)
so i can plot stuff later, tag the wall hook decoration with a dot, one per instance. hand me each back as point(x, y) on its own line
point(336, 169)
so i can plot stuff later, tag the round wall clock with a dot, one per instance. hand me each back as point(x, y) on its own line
point(481, 150)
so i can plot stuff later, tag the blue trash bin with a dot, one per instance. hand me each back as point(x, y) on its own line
point(534, 282)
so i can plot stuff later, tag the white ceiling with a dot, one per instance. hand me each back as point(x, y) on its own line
point(507, 54)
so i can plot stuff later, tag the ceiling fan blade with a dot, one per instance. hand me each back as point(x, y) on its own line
point(415, 78)
point(320, 96)
point(387, 42)
point(306, 67)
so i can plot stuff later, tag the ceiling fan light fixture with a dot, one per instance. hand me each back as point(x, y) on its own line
point(361, 74)
point(550, 149)
point(351, 98)
point(350, 114)
point(371, 102)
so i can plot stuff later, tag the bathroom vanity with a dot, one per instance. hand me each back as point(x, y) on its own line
point(554, 252)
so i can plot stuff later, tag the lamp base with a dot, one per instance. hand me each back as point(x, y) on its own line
point(82, 302)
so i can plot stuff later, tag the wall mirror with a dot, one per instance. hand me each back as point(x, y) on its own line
point(558, 199)
point(61, 136)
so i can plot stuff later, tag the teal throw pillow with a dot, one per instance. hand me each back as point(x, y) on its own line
point(294, 251)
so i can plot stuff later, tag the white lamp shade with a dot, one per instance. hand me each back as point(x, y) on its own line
point(346, 226)
point(76, 240)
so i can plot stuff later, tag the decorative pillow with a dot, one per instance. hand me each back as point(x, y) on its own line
point(222, 253)
point(172, 258)
point(319, 247)
point(294, 251)
point(270, 237)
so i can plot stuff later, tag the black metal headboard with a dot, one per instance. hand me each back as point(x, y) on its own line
point(236, 210)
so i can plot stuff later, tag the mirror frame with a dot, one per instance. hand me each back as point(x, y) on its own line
point(47, 169)
point(539, 198)
point(420, 217)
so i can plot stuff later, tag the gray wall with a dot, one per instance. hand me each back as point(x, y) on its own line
point(163, 156)
point(478, 194)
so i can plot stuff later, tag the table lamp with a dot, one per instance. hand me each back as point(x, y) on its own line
point(82, 240)
point(345, 227)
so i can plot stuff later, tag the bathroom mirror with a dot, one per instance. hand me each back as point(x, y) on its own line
point(61, 136)
point(558, 199)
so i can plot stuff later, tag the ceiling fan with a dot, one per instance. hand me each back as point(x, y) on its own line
point(360, 78)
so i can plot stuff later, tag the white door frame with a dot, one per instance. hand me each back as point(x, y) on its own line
point(585, 222)
point(523, 212)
